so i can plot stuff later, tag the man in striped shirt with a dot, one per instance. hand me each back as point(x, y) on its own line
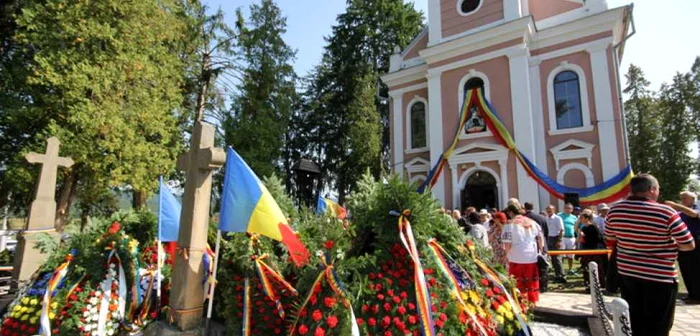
point(648, 237)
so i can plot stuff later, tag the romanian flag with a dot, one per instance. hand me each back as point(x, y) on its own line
point(247, 206)
point(324, 205)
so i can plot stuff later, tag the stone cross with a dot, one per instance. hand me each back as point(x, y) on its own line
point(42, 213)
point(187, 293)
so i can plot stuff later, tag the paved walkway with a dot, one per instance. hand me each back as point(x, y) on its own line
point(687, 319)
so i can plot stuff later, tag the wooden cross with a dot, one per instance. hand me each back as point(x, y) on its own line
point(50, 161)
point(186, 296)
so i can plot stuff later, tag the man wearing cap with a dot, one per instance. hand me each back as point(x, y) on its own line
point(599, 220)
point(689, 261)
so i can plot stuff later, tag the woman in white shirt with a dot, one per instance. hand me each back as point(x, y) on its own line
point(522, 243)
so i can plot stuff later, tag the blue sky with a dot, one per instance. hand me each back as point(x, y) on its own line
point(666, 39)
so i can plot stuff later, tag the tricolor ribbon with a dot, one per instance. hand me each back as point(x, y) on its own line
point(331, 277)
point(107, 291)
point(455, 286)
point(208, 261)
point(58, 276)
point(246, 307)
point(490, 274)
point(263, 271)
point(422, 295)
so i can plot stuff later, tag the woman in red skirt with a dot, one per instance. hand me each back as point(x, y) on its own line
point(522, 242)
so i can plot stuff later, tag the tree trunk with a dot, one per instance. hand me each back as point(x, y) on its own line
point(84, 214)
point(140, 199)
point(65, 199)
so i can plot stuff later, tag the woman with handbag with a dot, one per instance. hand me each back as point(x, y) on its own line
point(523, 245)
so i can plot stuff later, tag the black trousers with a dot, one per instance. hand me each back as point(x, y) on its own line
point(689, 263)
point(652, 305)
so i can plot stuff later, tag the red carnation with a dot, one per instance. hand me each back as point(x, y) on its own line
point(411, 306)
point(387, 306)
point(319, 332)
point(372, 321)
point(375, 308)
point(412, 319)
point(303, 329)
point(386, 321)
point(365, 307)
point(443, 317)
point(313, 299)
point(489, 293)
point(484, 282)
point(463, 317)
point(388, 333)
point(495, 305)
point(501, 300)
point(380, 296)
point(443, 304)
point(439, 323)
point(497, 290)
point(372, 276)
point(113, 229)
point(332, 321)
point(396, 299)
point(328, 244)
point(403, 295)
point(329, 302)
point(378, 287)
point(359, 321)
point(317, 315)
point(401, 310)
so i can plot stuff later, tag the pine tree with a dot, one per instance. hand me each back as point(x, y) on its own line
point(343, 135)
point(674, 161)
point(642, 122)
point(104, 77)
point(261, 110)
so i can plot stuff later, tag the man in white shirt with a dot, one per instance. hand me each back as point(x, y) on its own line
point(555, 227)
point(479, 233)
point(599, 220)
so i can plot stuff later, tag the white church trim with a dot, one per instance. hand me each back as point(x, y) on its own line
point(583, 150)
point(417, 165)
point(492, 153)
point(460, 95)
point(583, 88)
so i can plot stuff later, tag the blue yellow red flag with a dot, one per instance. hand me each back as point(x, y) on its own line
point(325, 205)
point(247, 206)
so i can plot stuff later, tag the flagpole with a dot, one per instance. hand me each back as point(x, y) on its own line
point(213, 283)
point(158, 247)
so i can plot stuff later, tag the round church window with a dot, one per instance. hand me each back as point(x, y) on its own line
point(469, 6)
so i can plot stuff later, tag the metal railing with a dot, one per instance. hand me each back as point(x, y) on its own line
point(615, 323)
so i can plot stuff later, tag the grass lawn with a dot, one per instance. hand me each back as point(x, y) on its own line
point(575, 282)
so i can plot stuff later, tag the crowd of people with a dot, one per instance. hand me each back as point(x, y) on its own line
point(645, 238)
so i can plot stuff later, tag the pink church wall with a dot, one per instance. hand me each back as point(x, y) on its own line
point(575, 178)
point(498, 74)
point(542, 9)
point(571, 43)
point(475, 53)
point(453, 23)
point(421, 44)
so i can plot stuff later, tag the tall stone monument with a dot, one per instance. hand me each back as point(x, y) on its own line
point(42, 213)
point(187, 292)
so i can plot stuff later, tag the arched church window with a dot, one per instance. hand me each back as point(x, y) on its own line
point(475, 121)
point(418, 129)
point(468, 6)
point(567, 99)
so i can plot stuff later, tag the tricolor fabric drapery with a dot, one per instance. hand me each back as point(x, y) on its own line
point(610, 190)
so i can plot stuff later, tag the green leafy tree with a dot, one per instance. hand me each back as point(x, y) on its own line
point(674, 162)
point(262, 108)
point(105, 78)
point(643, 123)
point(694, 101)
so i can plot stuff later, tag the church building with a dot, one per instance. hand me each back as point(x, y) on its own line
point(550, 70)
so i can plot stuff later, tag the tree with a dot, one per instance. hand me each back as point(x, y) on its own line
point(674, 161)
point(694, 101)
point(105, 78)
point(642, 122)
point(261, 110)
point(347, 123)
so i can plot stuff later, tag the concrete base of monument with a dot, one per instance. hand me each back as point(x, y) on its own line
point(161, 328)
point(28, 258)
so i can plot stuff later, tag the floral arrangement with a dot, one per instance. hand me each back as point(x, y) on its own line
point(24, 312)
point(106, 296)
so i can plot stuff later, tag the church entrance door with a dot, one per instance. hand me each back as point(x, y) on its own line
point(480, 191)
